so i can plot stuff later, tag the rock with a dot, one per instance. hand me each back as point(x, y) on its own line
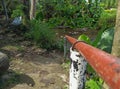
point(19, 55)
point(4, 63)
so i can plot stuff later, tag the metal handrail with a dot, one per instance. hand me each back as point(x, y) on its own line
point(106, 65)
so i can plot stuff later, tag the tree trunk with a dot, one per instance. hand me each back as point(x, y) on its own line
point(5, 9)
point(32, 9)
point(26, 8)
point(116, 41)
point(26, 17)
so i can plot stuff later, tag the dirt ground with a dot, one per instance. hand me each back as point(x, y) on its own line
point(31, 67)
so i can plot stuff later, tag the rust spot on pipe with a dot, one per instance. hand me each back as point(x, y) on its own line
point(117, 70)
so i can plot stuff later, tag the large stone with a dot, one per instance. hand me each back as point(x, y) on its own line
point(4, 63)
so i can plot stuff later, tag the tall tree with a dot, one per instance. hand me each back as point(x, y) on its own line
point(116, 42)
point(26, 8)
point(32, 8)
point(5, 9)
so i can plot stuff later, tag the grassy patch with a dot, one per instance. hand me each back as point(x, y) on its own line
point(12, 48)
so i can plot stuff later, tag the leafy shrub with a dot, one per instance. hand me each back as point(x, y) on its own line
point(107, 19)
point(18, 11)
point(77, 14)
point(41, 33)
point(60, 44)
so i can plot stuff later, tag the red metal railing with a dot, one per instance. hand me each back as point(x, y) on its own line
point(106, 65)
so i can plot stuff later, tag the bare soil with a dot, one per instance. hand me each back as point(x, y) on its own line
point(30, 66)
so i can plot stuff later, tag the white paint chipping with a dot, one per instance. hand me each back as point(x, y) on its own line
point(77, 70)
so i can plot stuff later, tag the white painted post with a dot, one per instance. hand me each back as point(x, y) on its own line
point(77, 70)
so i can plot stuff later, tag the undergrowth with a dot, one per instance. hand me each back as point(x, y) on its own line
point(107, 18)
point(44, 36)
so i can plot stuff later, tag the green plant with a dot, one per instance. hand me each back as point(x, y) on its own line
point(98, 37)
point(41, 33)
point(106, 40)
point(107, 4)
point(60, 44)
point(85, 38)
point(18, 11)
point(66, 65)
point(92, 84)
point(75, 14)
point(65, 87)
point(107, 18)
point(103, 41)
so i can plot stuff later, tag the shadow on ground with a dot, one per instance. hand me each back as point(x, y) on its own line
point(11, 79)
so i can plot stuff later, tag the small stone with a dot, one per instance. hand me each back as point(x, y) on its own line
point(30, 85)
point(64, 77)
point(19, 55)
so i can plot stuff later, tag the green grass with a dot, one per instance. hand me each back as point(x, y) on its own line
point(13, 48)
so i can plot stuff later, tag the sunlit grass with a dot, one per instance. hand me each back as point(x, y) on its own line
point(12, 48)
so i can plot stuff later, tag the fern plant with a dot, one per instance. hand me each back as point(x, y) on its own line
point(41, 33)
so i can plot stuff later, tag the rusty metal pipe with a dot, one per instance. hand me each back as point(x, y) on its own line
point(106, 65)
